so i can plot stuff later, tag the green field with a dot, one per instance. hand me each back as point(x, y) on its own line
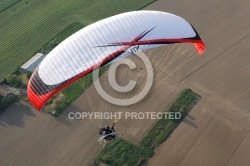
point(4, 4)
point(28, 25)
point(125, 153)
point(122, 153)
point(71, 29)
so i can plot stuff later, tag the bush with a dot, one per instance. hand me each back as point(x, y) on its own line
point(13, 80)
point(10, 79)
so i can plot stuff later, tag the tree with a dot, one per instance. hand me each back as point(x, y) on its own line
point(1, 103)
point(11, 79)
point(48, 108)
point(62, 97)
point(18, 81)
point(56, 101)
point(1, 98)
point(28, 75)
point(53, 106)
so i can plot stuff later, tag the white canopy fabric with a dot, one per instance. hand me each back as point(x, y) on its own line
point(103, 42)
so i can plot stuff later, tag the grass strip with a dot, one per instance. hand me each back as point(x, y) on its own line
point(122, 153)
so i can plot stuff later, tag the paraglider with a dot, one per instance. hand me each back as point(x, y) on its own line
point(108, 134)
point(104, 42)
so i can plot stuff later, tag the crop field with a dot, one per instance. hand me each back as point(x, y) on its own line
point(28, 25)
point(72, 28)
point(4, 4)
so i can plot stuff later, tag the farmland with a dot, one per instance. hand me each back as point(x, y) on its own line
point(215, 132)
point(126, 153)
point(72, 28)
point(26, 27)
point(4, 4)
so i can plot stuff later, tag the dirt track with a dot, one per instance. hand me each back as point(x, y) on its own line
point(215, 133)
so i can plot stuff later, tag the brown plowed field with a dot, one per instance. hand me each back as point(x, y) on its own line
point(216, 132)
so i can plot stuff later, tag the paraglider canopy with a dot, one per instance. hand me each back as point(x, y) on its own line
point(104, 42)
